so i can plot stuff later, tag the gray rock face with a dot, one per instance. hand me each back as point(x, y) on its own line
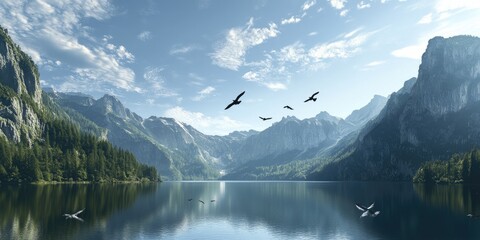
point(449, 73)
point(179, 151)
point(431, 117)
point(20, 93)
point(176, 149)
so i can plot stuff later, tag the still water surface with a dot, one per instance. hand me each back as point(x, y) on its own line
point(241, 210)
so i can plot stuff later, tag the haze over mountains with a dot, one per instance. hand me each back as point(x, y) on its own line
point(433, 116)
point(179, 151)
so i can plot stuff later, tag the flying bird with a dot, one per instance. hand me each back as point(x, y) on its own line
point(212, 200)
point(74, 216)
point(190, 199)
point(236, 101)
point(201, 201)
point(312, 98)
point(367, 212)
point(265, 119)
point(473, 216)
point(288, 107)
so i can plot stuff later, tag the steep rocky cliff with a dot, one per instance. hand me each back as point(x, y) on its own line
point(430, 118)
point(20, 93)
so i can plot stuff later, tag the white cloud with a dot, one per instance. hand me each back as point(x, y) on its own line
point(204, 93)
point(308, 4)
point(123, 54)
point(363, 5)
point(230, 52)
point(275, 86)
point(312, 33)
point(292, 53)
point(177, 50)
point(374, 63)
point(338, 49)
point(425, 19)
point(52, 31)
point(145, 35)
point(220, 125)
point(338, 4)
point(344, 12)
point(412, 51)
point(352, 33)
point(251, 76)
point(153, 76)
point(291, 20)
point(450, 5)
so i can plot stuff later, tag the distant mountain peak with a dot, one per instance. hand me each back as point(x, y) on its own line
point(361, 116)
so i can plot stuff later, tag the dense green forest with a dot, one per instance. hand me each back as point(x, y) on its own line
point(67, 154)
point(461, 168)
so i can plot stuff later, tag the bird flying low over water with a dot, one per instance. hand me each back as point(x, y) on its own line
point(74, 216)
point(473, 216)
point(190, 199)
point(367, 212)
point(212, 200)
point(265, 119)
point(236, 101)
point(201, 201)
point(288, 107)
point(312, 98)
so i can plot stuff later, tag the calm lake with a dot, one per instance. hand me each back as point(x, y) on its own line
point(241, 210)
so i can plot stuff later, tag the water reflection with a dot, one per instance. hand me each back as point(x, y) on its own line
point(461, 199)
point(242, 210)
point(35, 212)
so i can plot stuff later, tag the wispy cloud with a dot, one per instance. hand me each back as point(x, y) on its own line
point(275, 86)
point(204, 93)
point(312, 33)
point(177, 50)
point(145, 35)
point(412, 51)
point(338, 49)
point(338, 4)
point(425, 19)
point(121, 52)
point(251, 76)
point(291, 20)
point(153, 76)
point(449, 5)
point(277, 68)
point(308, 4)
point(52, 31)
point(363, 5)
point(220, 125)
point(344, 12)
point(374, 63)
point(292, 53)
point(230, 52)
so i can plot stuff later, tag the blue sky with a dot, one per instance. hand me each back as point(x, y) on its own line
point(189, 59)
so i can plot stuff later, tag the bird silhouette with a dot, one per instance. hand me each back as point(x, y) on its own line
point(212, 200)
point(190, 199)
point(201, 201)
point(367, 212)
point(288, 107)
point(473, 216)
point(74, 216)
point(312, 98)
point(265, 119)
point(236, 101)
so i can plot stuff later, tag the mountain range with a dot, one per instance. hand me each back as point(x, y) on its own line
point(431, 117)
point(179, 151)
